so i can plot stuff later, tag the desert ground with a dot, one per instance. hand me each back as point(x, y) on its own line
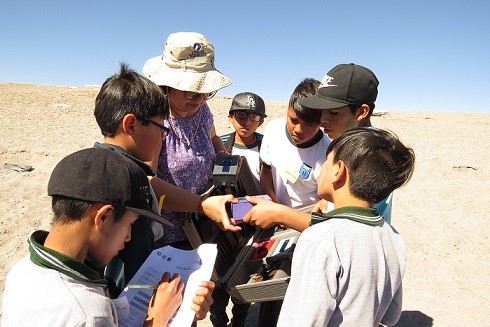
point(442, 213)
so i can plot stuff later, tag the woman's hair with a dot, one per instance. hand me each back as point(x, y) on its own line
point(128, 92)
point(307, 87)
point(377, 162)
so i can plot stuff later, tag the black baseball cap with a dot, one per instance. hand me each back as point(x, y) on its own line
point(345, 84)
point(102, 175)
point(248, 101)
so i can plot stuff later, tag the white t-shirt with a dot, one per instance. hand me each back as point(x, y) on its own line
point(252, 155)
point(295, 170)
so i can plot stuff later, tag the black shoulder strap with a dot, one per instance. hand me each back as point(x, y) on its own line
point(259, 139)
point(229, 143)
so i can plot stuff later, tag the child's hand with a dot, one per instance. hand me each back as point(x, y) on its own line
point(320, 207)
point(214, 208)
point(165, 301)
point(266, 214)
point(203, 300)
point(263, 213)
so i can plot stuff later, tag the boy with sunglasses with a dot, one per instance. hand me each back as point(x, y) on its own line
point(130, 110)
point(247, 113)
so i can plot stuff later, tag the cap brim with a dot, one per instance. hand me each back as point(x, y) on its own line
point(185, 80)
point(151, 215)
point(318, 102)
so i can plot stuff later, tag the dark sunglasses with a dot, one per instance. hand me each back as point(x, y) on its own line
point(188, 95)
point(243, 115)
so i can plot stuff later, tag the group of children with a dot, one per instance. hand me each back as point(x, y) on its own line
point(348, 263)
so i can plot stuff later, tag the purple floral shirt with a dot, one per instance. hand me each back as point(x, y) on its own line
point(186, 160)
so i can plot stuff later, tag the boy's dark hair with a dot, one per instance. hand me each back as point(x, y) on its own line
point(128, 93)
point(378, 163)
point(67, 209)
point(307, 87)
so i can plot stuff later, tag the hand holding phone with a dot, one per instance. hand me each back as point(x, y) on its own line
point(240, 209)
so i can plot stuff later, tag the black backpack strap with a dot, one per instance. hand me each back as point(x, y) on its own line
point(229, 142)
point(259, 139)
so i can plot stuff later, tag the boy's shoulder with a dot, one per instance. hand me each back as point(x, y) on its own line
point(353, 225)
point(229, 140)
point(81, 300)
point(224, 138)
point(143, 165)
point(275, 127)
point(276, 122)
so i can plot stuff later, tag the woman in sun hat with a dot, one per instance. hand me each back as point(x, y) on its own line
point(187, 74)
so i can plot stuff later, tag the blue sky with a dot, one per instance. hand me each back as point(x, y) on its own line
point(428, 55)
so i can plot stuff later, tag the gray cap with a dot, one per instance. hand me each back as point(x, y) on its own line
point(248, 101)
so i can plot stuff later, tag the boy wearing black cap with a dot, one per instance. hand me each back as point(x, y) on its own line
point(246, 114)
point(347, 98)
point(97, 195)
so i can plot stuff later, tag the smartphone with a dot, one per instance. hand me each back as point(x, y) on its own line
point(240, 209)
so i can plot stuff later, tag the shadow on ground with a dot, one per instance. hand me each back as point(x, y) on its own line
point(414, 319)
point(407, 318)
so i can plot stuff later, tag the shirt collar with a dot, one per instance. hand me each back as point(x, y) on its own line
point(368, 216)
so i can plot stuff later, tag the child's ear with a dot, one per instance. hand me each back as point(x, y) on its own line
point(128, 123)
point(261, 122)
point(103, 214)
point(230, 118)
point(340, 172)
point(363, 112)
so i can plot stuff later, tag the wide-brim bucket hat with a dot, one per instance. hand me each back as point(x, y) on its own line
point(187, 64)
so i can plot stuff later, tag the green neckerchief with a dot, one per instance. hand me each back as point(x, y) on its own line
point(368, 216)
point(66, 265)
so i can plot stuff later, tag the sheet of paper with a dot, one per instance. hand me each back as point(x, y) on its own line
point(194, 266)
point(291, 174)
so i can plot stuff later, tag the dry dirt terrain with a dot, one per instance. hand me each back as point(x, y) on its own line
point(442, 213)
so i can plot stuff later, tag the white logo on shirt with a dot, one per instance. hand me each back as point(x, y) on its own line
point(326, 81)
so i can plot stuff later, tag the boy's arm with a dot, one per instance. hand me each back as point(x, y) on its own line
point(266, 182)
point(394, 311)
point(178, 199)
point(266, 213)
